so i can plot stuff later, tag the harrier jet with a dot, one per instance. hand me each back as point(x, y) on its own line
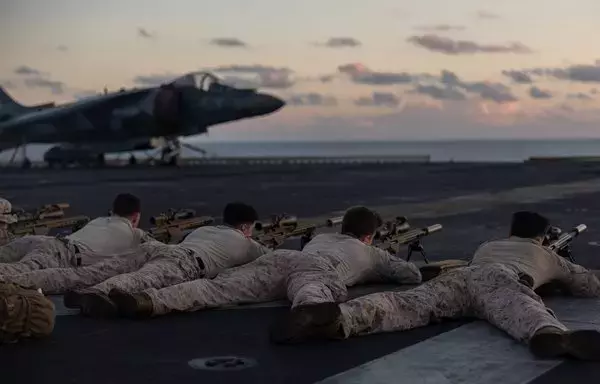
point(132, 120)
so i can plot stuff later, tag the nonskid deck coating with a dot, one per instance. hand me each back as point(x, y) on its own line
point(92, 351)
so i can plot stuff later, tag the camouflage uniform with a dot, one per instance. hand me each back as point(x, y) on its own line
point(5, 238)
point(319, 273)
point(16, 249)
point(100, 239)
point(61, 280)
point(5, 218)
point(204, 253)
point(498, 287)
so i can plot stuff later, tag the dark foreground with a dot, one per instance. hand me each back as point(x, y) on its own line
point(160, 350)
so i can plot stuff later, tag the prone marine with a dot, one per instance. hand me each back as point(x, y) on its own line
point(498, 286)
point(318, 273)
point(6, 218)
point(101, 238)
point(203, 253)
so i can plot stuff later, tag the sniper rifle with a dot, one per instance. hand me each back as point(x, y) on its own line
point(412, 238)
point(173, 226)
point(45, 212)
point(560, 242)
point(282, 227)
point(43, 227)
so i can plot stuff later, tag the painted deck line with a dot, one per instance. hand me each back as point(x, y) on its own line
point(482, 201)
point(475, 353)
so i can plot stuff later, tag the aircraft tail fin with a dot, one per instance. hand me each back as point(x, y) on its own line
point(5, 98)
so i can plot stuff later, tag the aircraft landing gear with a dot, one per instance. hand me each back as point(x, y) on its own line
point(132, 160)
point(101, 160)
point(170, 153)
point(26, 163)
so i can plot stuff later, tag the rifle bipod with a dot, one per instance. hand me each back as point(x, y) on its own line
point(567, 254)
point(416, 246)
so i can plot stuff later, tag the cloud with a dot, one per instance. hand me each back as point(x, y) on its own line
point(62, 48)
point(579, 96)
point(326, 78)
point(311, 99)
point(341, 42)
point(379, 99)
point(449, 46)
point(56, 87)
point(441, 28)
point(154, 80)
point(496, 92)
point(518, 76)
point(228, 42)
point(538, 93)
point(491, 91)
point(145, 34)
point(578, 73)
point(487, 15)
point(360, 74)
point(439, 93)
point(264, 76)
point(26, 71)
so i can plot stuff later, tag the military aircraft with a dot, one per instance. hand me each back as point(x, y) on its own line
point(10, 109)
point(131, 120)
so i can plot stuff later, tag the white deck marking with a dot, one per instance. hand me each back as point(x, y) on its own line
point(481, 201)
point(473, 353)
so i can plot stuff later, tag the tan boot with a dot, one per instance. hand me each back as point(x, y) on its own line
point(551, 342)
point(132, 305)
point(97, 304)
point(308, 322)
point(72, 299)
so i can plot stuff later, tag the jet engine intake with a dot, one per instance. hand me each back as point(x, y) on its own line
point(167, 110)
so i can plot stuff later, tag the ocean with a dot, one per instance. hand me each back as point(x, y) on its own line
point(439, 151)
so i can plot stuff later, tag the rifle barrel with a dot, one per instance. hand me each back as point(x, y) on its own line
point(567, 237)
point(407, 237)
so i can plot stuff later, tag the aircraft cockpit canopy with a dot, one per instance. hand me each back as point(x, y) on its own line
point(204, 81)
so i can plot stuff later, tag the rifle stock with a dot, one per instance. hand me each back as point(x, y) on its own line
point(412, 238)
point(285, 227)
point(174, 231)
point(45, 212)
point(172, 215)
point(43, 227)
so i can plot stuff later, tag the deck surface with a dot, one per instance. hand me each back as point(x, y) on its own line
point(472, 201)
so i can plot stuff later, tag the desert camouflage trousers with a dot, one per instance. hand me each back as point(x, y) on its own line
point(493, 293)
point(297, 276)
point(168, 264)
point(16, 249)
point(51, 253)
point(61, 280)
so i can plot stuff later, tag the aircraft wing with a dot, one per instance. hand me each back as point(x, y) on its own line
point(53, 115)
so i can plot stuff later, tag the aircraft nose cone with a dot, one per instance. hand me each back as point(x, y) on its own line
point(269, 103)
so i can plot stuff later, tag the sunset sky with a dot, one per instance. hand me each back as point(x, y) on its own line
point(380, 70)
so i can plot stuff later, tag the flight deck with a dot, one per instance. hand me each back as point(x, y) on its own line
point(473, 202)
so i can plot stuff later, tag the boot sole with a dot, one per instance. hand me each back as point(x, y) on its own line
point(584, 345)
point(303, 322)
point(126, 304)
point(94, 305)
point(72, 300)
point(548, 345)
